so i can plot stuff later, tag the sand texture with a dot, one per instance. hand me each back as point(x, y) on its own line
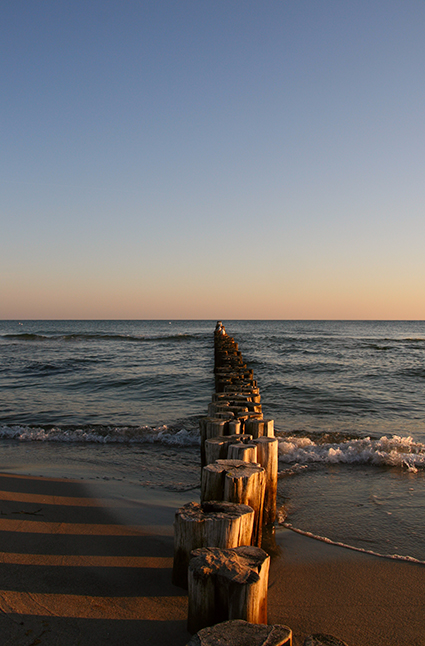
point(365, 600)
point(79, 570)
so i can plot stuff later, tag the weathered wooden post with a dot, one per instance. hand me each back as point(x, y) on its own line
point(245, 452)
point(235, 427)
point(216, 448)
point(236, 481)
point(227, 584)
point(211, 427)
point(239, 633)
point(212, 524)
point(260, 427)
point(267, 456)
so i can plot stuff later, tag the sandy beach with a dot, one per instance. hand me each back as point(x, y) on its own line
point(362, 599)
point(84, 564)
point(79, 569)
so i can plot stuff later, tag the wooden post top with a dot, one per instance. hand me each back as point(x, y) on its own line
point(212, 510)
point(237, 565)
point(237, 632)
point(235, 468)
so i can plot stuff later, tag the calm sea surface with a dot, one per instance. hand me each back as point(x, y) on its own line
point(120, 400)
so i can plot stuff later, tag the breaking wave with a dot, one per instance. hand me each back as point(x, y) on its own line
point(166, 435)
point(393, 451)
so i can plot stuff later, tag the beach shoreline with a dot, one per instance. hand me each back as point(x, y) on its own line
point(314, 586)
point(317, 587)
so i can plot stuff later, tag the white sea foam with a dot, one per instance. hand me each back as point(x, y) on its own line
point(397, 557)
point(105, 435)
point(392, 451)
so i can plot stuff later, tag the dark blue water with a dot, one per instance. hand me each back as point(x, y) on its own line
point(340, 376)
point(121, 399)
point(103, 372)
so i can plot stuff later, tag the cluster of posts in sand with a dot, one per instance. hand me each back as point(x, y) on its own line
point(217, 542)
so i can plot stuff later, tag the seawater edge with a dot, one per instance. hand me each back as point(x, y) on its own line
point(329, 385)
point(357, 622)
point(360, 625)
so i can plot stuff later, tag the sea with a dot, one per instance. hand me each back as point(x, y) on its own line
point(120, 401)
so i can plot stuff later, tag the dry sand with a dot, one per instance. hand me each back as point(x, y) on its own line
point(82, 567)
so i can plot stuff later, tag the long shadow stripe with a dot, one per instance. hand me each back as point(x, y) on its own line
point(40, 527)
point(87, 607)
point(44, 499)
point(75, 560)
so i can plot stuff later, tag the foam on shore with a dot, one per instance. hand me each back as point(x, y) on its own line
point(323, 539)
point(163, 434)
point(396, 451)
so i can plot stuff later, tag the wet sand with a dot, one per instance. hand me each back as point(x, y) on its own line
point(364, 600)
point(84, 564)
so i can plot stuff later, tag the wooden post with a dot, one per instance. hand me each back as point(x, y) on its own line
point(235, 427)
point(260, 427)
point(267, 456)
point(238, 631)
point(238, 410)
point(227, 584)
point(245, 388)
point(236, 481)
point(211, 427)
point(219, 407)
point(246, 485)
point(245, 452)
point(216, 448)
point(236, 396)
point(212, 481)
point(212, 524)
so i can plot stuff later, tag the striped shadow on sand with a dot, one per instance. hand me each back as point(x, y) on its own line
point(63, 554)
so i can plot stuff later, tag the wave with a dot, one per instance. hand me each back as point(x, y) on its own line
point(25, 336)
point(395, 451)
point(397, 557)
point(376, 346)
point(386, 343)
point(39, 368)
point(407, 340)
point(164, 434)
point(414, 373)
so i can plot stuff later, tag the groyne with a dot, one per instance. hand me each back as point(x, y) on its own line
point(221, 543)
point(219, 553)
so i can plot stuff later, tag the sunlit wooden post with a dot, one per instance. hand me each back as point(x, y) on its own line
point(239, 482)
point(227, 584)
point(212, 524)
point(267, 456)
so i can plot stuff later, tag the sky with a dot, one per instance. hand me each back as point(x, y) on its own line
point(212, 159)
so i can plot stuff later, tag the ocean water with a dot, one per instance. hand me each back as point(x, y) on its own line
point(120, 401)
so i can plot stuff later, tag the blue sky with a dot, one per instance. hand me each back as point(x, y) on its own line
point(199, 159)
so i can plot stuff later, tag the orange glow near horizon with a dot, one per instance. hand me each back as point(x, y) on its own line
point(295, 298)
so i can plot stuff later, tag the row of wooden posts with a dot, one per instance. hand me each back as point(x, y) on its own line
point(217, 542)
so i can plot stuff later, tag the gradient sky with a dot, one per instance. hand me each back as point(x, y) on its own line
point(212, 159)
